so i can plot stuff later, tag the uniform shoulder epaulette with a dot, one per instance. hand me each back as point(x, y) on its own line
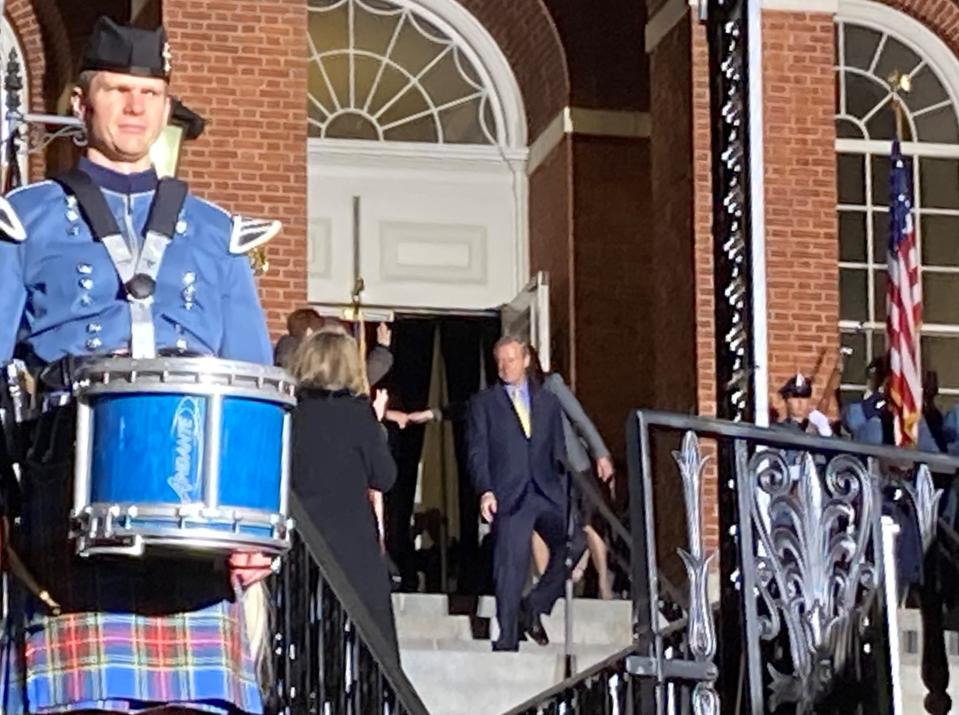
point(250, 233)
point(11, 227)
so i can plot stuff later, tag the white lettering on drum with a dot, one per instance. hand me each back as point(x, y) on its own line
point(187, 430)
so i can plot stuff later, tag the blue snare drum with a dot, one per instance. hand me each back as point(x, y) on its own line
point(190, 453)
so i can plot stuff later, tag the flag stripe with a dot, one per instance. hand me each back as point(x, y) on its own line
point(903, 306)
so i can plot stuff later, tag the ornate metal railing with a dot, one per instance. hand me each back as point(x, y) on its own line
point(329, 655)
point(814, 582)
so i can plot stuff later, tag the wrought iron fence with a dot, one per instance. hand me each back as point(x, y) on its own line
point(809, 523)
point(329, 656)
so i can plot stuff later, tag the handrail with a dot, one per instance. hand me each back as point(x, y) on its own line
point(572, 681)
point(711, 427)
point(356, 609)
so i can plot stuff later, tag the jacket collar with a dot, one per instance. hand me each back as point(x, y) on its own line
point(110, 180)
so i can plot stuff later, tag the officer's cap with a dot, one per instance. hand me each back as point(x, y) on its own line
point(796, 386)
point(127, 50)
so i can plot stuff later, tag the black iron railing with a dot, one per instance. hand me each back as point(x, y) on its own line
point(814, 572)
point(329, 655)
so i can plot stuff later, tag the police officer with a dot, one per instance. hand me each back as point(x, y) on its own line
point(796, 392)
point(109, 260)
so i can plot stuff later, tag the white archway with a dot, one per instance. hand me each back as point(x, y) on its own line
point(417, 157)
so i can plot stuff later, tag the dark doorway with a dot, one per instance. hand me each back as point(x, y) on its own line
point(448, 358)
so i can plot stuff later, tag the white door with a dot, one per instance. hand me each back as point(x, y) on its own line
point(421, 231)
point(526, 317)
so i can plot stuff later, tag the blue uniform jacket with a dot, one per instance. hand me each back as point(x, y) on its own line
point(60, 294)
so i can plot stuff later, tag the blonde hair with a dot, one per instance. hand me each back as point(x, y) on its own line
point(330, 359)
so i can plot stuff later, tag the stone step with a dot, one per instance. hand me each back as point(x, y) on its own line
point(584, 656)
point(429, 616)
point(463, 682)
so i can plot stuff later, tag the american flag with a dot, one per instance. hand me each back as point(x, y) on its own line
point(903, 306)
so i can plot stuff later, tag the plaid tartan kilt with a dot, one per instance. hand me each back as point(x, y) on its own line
point(134, 633)
point(129, 662)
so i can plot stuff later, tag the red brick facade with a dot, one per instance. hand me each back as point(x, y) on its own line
point(23, 18)
point(802, 250)
point(244, 68)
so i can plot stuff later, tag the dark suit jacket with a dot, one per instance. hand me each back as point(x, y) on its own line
point(503, 461)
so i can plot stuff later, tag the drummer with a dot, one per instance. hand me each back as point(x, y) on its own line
point(108, 260)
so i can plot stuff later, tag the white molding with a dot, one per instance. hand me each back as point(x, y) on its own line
point(590, 122)
point(884, 146)
point(665, 19)
point(830, 7)
point(548, 140)
point(419, 152)
point(916, 36)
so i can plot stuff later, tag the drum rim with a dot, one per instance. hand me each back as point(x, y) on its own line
point(99, 375)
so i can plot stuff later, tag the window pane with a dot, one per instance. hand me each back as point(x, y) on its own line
point(940, 240)
point(879, 280)
point(847, 130)
point(863, 94)
point(938, 126)
point(852, 294)
point(941, 354)
point(940, 183)
point(880, 180)
point(851, 176)
point(855, 364)
point(940, 298)
point(852, 236)
point(860, 45)
point(895, 57)
point(882, 125)
point(880, 236)
point(926, 91)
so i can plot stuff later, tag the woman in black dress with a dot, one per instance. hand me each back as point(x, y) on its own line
point(339, 455)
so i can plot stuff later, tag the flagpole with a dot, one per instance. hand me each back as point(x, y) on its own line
point(907, 431)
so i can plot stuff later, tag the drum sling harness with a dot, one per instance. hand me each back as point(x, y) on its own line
point(137, 273)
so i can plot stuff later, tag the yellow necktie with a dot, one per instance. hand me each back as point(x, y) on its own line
point(522, 413)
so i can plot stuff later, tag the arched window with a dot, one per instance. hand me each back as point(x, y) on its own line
point(873, 43)
point(417, 146)
point(380, 71)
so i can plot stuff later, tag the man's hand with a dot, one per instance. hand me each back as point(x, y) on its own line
point(604, 468)
point(488, 506)
point(384, 335)
point(400, 419)
point(379, 403)
point(246, 568)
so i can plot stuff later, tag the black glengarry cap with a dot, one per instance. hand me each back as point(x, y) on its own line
point(127, 50)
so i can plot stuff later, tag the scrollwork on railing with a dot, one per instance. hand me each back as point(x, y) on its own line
point(815, 578)
point(925, 498)
point(702, 630)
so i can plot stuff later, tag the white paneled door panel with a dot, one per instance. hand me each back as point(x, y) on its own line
point(420, 234)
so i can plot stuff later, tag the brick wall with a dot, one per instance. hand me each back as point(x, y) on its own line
point(244, 69)
point(608, 66)
point(940, 16)
point(551, 242)
point(612, 262)
point(23, 19)
point(526, 34)
point(802, 251)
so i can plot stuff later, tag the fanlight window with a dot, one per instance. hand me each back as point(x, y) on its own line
point(865, 127)
point(379, 71)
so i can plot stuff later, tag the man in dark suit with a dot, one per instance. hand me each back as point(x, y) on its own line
point(517, 464)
